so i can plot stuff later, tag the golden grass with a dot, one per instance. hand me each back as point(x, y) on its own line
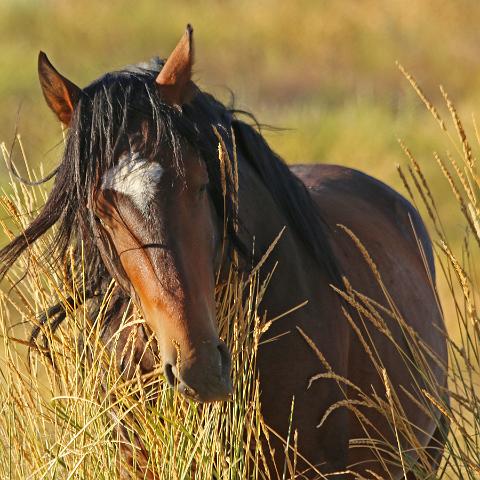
point(60, 419)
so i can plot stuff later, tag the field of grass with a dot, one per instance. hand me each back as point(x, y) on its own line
point(326, 73)
point(61, 417)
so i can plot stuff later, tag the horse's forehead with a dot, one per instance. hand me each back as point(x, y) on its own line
point(135, 177)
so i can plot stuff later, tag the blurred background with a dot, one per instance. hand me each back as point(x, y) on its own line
point(322, 70)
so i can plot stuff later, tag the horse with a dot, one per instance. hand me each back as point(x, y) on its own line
point(140, 186)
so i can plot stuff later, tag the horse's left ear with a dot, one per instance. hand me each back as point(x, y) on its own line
point(60, 93)
point(175, 79)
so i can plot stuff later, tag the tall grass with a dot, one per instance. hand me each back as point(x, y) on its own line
point(459, 268)
point(71, 414)
point(75, 416)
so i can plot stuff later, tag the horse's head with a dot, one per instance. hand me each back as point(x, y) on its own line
point(151, 210)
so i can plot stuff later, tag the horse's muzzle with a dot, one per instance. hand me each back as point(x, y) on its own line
point(205, 375)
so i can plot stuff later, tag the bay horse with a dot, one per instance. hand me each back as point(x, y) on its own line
point(140, 186)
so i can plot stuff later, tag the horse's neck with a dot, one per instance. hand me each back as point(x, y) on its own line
point(262, 223)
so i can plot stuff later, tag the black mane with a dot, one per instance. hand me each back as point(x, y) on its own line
point(107, 114)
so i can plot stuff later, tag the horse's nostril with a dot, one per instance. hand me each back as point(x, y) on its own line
point(169, 375)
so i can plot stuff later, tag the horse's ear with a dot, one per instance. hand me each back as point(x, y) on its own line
point(60, 93)
point(175, 79)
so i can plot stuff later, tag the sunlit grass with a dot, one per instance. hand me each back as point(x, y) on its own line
point(60, 419)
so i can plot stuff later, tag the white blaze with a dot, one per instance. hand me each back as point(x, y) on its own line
point(136, 177)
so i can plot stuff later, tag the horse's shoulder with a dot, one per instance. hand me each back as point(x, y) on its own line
point(336, 188)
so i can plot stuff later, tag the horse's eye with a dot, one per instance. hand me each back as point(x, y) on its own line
point(99, 221)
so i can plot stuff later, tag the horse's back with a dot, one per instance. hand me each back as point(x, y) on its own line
point(395, 237)
point(335, 180)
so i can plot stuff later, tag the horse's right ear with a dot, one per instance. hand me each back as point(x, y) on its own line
point(174, 81)
point(60, 93)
